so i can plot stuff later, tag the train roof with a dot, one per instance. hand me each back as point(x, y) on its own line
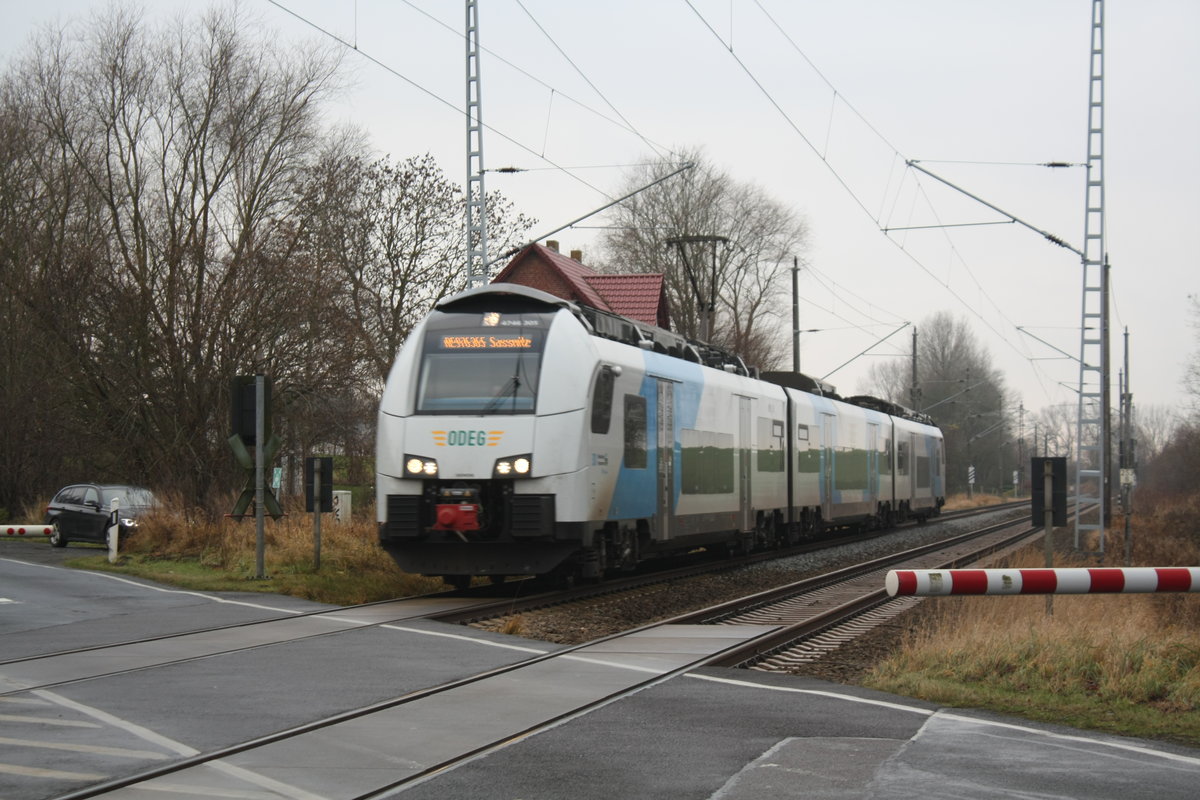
point(607, 325)
point(889, 408)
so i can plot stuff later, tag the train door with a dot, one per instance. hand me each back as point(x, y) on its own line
point(914, 474)
point(872, 463)
point(666, 458)
point(746, 518)
point(828, 433)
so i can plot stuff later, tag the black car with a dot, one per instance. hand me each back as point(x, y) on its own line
point(79, 513)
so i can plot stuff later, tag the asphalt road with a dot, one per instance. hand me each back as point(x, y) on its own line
point(710, 735)
point(37, 549)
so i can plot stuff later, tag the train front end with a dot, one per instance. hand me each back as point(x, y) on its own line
point(478, 444)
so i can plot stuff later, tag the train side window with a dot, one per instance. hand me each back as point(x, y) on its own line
point(902, 458)
point(802, 433)
point(635, 431)
point(602, 400)
point(770, 445)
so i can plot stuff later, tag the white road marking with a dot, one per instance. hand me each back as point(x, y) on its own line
point(207, 791)
point(23, 701)
point(108, 719)
point(253, 778)
point(65, 723)
point(463, 638)
point(38, 772)
point(162, 589)
point(1132, 748)
point(120, 752)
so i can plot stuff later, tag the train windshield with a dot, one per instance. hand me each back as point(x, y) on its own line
point(482, 363)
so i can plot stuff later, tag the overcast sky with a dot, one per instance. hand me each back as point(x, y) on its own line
point(820, 103)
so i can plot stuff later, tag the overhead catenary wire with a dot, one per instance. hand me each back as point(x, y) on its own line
point(554, 43)
point(622, 123)
point(839, 178)
point(434, 95)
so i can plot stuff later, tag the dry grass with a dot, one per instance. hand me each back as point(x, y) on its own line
point(958, 502)
point(1122, 663)
point(189, 550)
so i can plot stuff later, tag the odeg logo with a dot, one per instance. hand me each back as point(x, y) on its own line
point(467, 438)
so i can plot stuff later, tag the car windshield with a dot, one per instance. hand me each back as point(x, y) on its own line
point(129, 497)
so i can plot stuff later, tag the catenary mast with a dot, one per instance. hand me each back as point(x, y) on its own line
point(477, 259)
point(1091, 442)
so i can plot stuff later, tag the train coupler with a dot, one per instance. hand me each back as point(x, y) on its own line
point(457, 510)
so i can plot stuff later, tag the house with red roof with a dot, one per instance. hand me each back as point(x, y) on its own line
point(640, 297)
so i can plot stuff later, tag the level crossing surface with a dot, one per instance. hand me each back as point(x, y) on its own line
point(708, 733)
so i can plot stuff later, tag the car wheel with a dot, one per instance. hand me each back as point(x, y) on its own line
point(57, 539)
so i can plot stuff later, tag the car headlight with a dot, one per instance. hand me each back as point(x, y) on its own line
point(129, 522)
point(420, 467)
point(513, 467)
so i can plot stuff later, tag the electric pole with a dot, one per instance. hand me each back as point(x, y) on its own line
point(476, 196)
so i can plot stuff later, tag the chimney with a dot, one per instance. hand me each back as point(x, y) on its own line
point(577, 255)
point(552, 244)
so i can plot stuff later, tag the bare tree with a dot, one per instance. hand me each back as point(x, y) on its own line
point(1153, 428)
point(964, 394)
point(173, 214)
point(394, 233)
point(710, 234)
point(173, 155)
point(1191, 375)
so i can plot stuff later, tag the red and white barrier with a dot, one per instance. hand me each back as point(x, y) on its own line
point(21, 530)
point(1071, 580)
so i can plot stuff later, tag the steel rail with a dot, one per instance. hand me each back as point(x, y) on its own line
point(510, 606)
point(789, 635)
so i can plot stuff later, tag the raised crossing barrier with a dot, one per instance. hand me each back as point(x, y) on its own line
point(1067, 580)
point(31, 529)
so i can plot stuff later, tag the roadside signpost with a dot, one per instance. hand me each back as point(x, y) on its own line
point(318, 496)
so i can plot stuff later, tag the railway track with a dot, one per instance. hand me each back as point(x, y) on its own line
point(818, 614)
point(540, 597)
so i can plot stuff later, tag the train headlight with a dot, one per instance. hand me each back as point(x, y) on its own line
point(419, 466)
point(513, 466)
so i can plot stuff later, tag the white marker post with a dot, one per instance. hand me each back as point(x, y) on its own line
point(114, 530)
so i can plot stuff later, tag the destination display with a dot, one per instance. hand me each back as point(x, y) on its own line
point(486, 342)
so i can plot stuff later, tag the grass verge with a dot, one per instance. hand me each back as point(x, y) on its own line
point(222, 556)
point(1127, 664)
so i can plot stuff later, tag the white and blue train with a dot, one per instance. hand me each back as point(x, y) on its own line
point(521, 434)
